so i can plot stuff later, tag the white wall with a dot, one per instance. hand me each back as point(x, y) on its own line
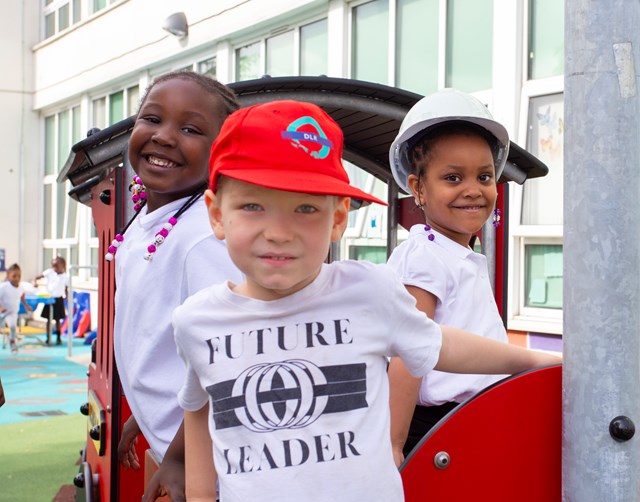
point(20, 190)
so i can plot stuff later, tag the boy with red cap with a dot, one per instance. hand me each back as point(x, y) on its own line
point(286, 371)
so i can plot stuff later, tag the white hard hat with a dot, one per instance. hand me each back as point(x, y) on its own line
point(443, 106)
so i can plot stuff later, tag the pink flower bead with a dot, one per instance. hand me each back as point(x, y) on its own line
point(151, 248)
point(119, 237)
point(173, 221)
point(143, 195)
point(112, 249)
point(135, 197)
point(164, 232)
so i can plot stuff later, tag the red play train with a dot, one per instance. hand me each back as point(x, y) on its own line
point(478, 443)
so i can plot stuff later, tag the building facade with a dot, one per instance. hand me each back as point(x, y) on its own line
point(77, 64)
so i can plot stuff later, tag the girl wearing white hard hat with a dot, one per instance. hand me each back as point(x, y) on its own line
point(448, 155)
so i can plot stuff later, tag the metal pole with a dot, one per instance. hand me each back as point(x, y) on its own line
point(70, 302)
point(601, 371)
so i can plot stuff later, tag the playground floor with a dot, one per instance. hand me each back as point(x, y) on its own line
point(41, 428)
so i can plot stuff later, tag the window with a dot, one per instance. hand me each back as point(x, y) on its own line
point(543, 276)
point(469, 44)
point(538, 229)
point(370, 47)
point(437, 43)
point(248, 62)
point(115, 107)
point(97, 5)
point(542, 197)
point(299, 51)
point(417, 56)
point(207, 67)
point(313, 48)
point(546, 38)
point(60, 230)
point(59, 15)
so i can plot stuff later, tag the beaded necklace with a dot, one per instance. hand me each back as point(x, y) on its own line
point(139, 199)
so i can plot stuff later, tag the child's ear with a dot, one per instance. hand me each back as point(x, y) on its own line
point(215, 214)
point(414, 184)
point(340, 218)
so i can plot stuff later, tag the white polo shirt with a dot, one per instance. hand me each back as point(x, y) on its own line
point(458, 277)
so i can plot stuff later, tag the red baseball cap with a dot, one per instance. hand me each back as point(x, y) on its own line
point(284, 145)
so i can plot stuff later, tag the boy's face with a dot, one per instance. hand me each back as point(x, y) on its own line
point(14, 277)
point(458, 189)
point(278, 239)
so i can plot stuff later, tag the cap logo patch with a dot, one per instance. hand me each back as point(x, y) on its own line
point(310, 138)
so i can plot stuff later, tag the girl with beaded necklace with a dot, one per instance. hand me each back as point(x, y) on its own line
point(448, 155)
point(163, 255)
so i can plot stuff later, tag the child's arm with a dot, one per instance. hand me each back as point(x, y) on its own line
point(403, 393)
point(200, 472)
point(464, 352)
point(26, 306)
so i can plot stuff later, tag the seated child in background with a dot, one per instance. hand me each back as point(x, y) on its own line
point(57, 285)
point(11, 295)
point(448, 155)
point(286, 389)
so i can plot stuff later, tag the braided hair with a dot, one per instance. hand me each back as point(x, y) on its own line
point(210, 85)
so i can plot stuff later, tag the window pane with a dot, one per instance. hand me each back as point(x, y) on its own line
point(64, 138)
point(314, 46)
point(375, 254)
point(542, 197)
point(133, 100)
point(50, 145)
point(469, 44)
point(72, 218)
point(99, 114)
point(543, 276)
point(208, 67)
point(116, 107)
point(280, 55)
point(61, 197)
point(546, 38)
point(417, 45)
point(47, 212)
point(47, 256)
point(248, 62)
point(49, 25)
point(76, 11)
point(73, 255)
point(99, 4)
point(76, 131)
point(63, 17)
point(371, 42)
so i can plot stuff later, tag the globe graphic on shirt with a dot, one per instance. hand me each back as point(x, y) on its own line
point(281, 395)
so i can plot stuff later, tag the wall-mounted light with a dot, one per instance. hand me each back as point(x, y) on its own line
point(177, 25)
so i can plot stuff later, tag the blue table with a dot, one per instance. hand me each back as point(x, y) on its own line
point(33, 301)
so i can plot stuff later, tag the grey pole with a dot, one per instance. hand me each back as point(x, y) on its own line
point(601, 371)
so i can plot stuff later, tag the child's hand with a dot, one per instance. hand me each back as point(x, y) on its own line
point(127, 446)
point(168, 481)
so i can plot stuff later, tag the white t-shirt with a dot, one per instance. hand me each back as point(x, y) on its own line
point(458, 278)
point(298, 386)
point(10, 299)
point(56, 283)
point(191, 258)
